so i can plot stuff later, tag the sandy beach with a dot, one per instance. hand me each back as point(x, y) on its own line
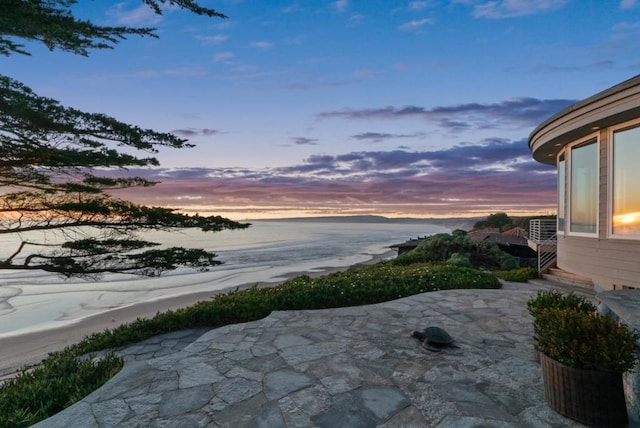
point(31, 348)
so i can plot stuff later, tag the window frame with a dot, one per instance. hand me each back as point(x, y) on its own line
point(610, 185)
point(593, 138)
point(562, 154)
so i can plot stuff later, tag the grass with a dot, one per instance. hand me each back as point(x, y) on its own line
point(66, 376)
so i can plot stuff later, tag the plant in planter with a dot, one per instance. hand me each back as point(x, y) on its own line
point(555, 299)
point(583, 355)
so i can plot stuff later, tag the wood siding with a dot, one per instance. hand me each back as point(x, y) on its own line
point(610, 263)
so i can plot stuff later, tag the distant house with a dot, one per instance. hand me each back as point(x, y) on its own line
point(595, 146)
point(407, 246)
point(516, 231)
point(510, 242)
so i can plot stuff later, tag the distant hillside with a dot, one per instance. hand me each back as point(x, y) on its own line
point(450, 223)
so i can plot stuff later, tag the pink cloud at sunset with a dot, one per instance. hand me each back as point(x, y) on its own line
point(465, 180)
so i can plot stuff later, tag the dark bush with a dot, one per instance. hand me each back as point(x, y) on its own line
point(440, 248)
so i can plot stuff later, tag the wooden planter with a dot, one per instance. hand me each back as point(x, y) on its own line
point(590, 397)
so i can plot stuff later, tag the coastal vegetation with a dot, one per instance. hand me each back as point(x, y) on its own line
point(517, 275)
point(503, 222)
point(459, 249)
point(61, 167)
point(67, 376)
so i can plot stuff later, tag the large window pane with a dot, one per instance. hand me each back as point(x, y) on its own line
point(561, 193)
point(626, 182)
point(583, 208)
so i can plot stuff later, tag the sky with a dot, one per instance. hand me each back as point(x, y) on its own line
point(398, 108)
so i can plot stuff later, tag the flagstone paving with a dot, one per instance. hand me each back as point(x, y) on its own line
point(348, 367)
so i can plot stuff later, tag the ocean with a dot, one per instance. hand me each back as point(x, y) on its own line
point(267, 252)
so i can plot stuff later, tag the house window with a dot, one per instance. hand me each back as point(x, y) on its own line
point(625, 206)
point(583, 193)
point(561, 192)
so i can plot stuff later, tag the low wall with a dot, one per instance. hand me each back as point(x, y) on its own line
point(624, 305)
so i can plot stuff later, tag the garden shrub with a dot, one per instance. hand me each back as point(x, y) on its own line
point(552, 299)
point(517, 275)
point(460, 259)
point(442, 246)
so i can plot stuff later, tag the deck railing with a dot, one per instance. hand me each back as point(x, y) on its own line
point(542, 229)
point(542, 232)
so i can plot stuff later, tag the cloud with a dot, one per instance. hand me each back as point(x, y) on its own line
point(418, 5)
point(261, 45)
point(487, 176)
point(303, 141)
point(341, 5)
point(376, 137)
point(501, 9)
point(292, 8)
point(521, 111)
point(154, 73)
point(213, 39)
point(223, 56)
point(628, 4)
point(141, 15)
point(192, 132)
point(415, 24)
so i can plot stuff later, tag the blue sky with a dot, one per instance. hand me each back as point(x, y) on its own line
point(392, 107)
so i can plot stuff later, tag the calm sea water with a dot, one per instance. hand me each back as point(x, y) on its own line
point(266, 252)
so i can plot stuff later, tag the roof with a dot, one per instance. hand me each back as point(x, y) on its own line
point(498, 238)
point(516, 231)
point(411, 243)
point(614, 105)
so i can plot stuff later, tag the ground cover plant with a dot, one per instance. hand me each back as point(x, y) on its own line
point(35, 395)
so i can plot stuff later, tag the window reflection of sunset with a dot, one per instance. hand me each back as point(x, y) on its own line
point(626, 179)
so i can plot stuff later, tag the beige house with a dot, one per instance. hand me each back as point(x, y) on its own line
point(595, 145)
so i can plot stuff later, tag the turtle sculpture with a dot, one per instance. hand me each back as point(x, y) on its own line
point(434, 338)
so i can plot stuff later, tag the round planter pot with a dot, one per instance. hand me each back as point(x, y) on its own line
point(590, 397)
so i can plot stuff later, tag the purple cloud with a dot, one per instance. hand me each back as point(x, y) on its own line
point(192, 132)
point(521, 111)
point(490, 175)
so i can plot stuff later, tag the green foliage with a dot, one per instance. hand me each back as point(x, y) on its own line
point(500, 221)
point(517, 275)
point(585, 340)
point(58, 165)
point(552, 299)
point(460, 259)
point(60, 381)
point(442, 246)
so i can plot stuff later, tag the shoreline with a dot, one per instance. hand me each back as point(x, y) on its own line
point(32, 347)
